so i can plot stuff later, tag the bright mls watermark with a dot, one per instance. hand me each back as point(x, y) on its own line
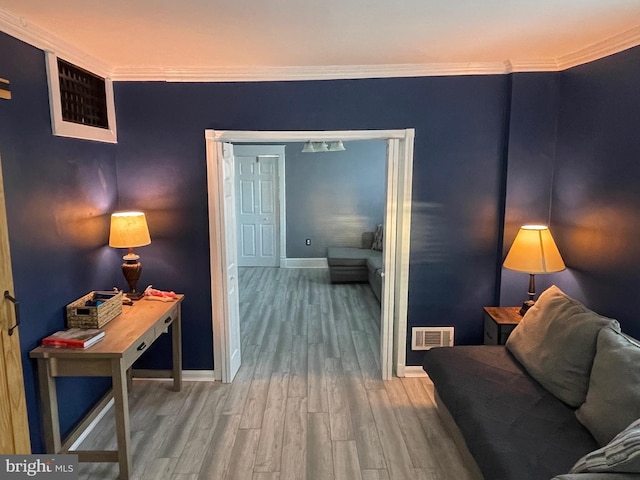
point(50, 467)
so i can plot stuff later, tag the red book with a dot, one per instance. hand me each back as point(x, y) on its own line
point(74, 338)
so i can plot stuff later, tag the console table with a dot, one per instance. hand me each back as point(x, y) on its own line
point(127, 337)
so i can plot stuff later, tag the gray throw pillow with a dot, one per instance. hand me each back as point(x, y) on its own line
point(378, 238)
point(622, 454)
point(556, 344)
point(613, 399)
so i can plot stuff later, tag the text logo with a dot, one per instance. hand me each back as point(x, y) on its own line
point(49, 467)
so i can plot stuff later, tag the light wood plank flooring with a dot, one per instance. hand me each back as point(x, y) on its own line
point(307, 403)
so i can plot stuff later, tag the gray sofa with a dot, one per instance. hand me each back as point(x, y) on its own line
point(357, 264)
point(560, 401)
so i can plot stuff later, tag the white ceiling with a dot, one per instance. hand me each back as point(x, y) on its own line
point(129, 35)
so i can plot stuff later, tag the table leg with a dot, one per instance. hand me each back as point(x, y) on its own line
point(176, 337)
point(121, 409)
point(49, 402)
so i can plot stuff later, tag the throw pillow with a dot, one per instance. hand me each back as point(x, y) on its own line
point(556, 344)
point(377, 238)
point(622, 454)
point(613, 399)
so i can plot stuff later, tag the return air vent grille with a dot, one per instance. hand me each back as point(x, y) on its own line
point(82, 95)
point(424, 338)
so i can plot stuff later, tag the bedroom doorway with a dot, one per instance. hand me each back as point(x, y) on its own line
point(222, 225)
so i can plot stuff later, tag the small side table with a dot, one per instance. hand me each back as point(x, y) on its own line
point(499, 322)
point(127, 338)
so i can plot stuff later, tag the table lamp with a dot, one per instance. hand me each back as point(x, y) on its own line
point(533, 251)
point(129, 230)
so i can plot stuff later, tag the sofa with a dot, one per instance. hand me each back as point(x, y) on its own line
point(561, 400)
point(358, 264)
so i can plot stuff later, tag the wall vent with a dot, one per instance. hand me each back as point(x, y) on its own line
point(424, 338)
point(81, 102)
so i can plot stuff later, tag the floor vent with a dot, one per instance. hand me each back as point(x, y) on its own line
point(424, 338)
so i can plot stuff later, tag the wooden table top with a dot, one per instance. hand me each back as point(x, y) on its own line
point(120, 333)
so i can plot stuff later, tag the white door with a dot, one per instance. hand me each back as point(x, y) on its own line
point(224, 264)
point(256, 185)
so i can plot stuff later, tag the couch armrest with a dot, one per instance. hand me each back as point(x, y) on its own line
point(598, 476)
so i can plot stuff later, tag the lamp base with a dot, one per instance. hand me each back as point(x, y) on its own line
point(135, 295)
point(131, 269)
point(526, 305)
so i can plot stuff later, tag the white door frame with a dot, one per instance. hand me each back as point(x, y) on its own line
point(396, 239)
point(274, 150)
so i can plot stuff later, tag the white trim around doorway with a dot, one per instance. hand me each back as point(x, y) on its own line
point(397, 235)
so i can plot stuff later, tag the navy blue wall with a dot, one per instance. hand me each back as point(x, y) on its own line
point(58, 193)
point(531, 154)
point(332, 197)
point(460, 135)
point(596, 200)
point(479, 140)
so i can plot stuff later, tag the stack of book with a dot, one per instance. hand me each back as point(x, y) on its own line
point(74, 338)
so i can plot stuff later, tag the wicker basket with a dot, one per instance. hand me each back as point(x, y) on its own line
point(80, 315)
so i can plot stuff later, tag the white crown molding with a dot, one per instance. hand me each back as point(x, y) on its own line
point(21, 29)
point(331, 72)
point(596, 51)
point(532, 65)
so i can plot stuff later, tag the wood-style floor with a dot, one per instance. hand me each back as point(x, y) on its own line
point(307, 403)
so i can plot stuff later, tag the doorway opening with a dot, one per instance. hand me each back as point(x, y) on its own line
point(222, 224)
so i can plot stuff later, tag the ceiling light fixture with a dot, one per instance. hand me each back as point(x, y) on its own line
point(315, 147)
point(337, 146)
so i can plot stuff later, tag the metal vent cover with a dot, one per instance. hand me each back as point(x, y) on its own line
point(424, 338)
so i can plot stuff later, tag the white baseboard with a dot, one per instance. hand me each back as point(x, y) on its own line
point(75, 445)
point(198, 375)
point(187, 375)
point(306, 263)
point(414, 371)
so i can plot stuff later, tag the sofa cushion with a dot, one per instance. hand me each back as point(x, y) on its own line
point(622, 454)
point(513, 427)
point(349, 256)
point(556, 343)
point(613, 399)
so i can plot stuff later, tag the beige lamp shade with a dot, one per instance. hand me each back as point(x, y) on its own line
point(128, 230)
point(534, 251)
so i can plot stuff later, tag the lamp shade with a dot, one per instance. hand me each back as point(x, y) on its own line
point(320, 147)
point(308, 147)
point(128, 230)
point(534, 251)
point(336, 146)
